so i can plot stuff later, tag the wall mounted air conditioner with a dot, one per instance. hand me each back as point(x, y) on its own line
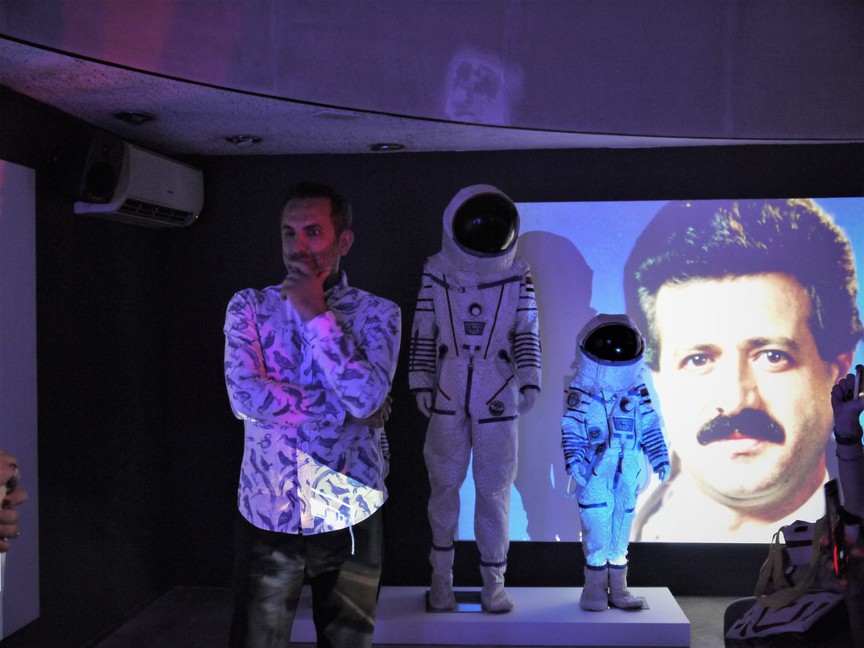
point(126, 183)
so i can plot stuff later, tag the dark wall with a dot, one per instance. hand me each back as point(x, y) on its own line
point(106, 469)
point(139, 452)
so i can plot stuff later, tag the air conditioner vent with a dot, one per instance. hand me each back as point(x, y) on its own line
point(153, 214)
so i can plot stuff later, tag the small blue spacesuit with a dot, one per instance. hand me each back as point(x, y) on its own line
point(608, 429)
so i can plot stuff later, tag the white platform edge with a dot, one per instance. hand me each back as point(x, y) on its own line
point(544, 616)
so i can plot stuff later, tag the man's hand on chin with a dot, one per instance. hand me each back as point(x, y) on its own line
point(304, 289)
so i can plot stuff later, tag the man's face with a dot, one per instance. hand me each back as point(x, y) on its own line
point(738, 352)
point(308, 235)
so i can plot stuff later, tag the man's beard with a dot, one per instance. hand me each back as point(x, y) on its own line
point(749, 423)
point(314, 261)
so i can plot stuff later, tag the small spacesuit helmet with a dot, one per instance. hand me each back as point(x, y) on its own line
point(486, 223)
point(613, 342)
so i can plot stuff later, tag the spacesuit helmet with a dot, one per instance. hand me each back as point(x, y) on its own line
point(486, 223)
point(609, 355)
point(481, 232)
point(613, 341)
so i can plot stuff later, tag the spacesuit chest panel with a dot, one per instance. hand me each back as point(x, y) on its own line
point(476, 369)
point(480, 318)
point(622, 418)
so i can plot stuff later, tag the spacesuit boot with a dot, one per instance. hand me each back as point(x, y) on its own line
point(595, 596)
point(492, 596)
point(619, 595)
point(441, 595)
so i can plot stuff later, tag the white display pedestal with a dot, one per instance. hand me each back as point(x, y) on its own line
point(544, 616)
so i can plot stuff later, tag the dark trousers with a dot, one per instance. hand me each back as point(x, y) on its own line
point(270, 569)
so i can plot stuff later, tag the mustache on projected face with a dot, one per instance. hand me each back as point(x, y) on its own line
point(748, 423)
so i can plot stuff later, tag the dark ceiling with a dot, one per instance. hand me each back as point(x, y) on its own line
point(443, 75)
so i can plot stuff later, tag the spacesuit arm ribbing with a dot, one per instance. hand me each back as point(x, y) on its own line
point(574, 436)
point(653, 443)
point(526, 342)
point(655, 450)
point(422, 353)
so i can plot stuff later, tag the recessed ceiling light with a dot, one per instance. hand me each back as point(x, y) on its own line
point(243, 140)
point(134, 117)
point(387, 146)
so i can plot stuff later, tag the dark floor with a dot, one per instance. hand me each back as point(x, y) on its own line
point(192, 617)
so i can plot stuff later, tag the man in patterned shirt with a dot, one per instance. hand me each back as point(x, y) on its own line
point(308, 366)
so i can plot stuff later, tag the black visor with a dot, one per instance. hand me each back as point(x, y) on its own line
point(485, 224)
point(614, 342)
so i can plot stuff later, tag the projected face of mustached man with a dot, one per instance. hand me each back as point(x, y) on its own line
point(742, 387)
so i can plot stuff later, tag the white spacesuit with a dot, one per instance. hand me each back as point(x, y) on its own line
point(608, 430)
point(474, 367)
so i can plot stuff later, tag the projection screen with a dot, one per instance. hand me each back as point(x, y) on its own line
point(577, 252)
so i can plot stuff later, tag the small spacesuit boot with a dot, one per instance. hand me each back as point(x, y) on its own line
point(619, 595)
point(595, 595)
point(441, 595)
point(493, 597)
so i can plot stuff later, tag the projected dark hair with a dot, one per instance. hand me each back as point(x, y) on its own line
point(717, 239)
point(341, 213)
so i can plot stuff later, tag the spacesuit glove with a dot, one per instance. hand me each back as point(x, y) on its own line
point(578, 471)
point(663, 474)
point(527, 398)
point(424, 403)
